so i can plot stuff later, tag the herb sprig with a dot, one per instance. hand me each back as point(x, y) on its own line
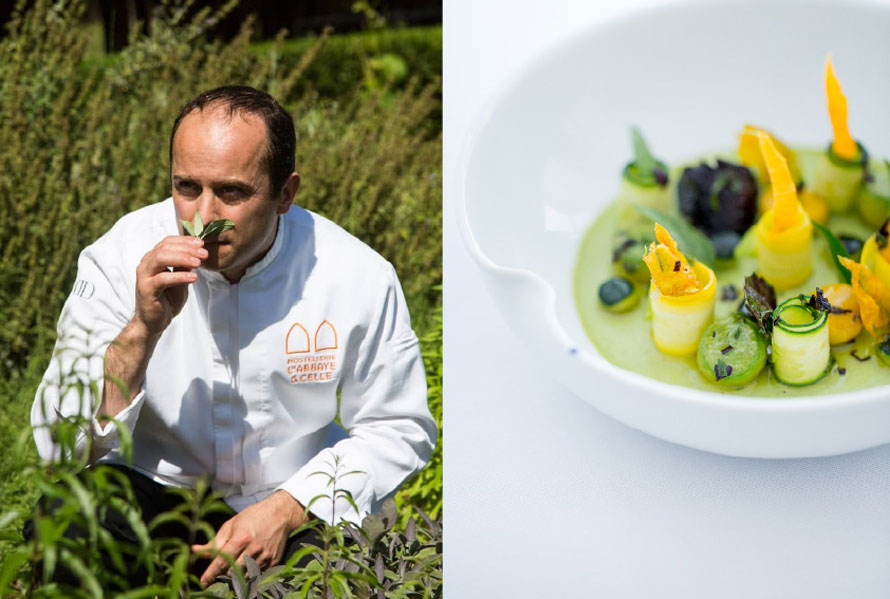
point(760, 299)
point(201, 231)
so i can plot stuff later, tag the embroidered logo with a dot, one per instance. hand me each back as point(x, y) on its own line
point(311, 358)
point(83, 289)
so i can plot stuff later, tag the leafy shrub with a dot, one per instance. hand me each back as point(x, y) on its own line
point(348, 58)
point(377, 559)
point(424, 490)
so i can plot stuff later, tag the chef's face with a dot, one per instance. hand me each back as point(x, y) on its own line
point(218, 171)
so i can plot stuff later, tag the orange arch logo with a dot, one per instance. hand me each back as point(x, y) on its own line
point(325, 336)
point(297, 341)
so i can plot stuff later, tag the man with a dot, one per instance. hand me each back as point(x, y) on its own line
point(232, 350)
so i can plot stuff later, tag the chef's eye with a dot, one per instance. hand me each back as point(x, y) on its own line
point(232, 193)
point(188, 188)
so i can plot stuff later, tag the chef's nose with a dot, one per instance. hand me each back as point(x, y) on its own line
point(206, 206)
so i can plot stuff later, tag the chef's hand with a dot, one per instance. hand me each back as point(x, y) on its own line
point(260, 531)
point(161, 294)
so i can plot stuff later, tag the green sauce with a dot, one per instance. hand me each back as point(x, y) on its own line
point(625, 339)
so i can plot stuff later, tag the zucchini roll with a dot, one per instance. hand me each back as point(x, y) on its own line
point(681, 296)
point(784, 234)
point(751, 156)
point(801, 353)
point(839, 175)
point(645, 179)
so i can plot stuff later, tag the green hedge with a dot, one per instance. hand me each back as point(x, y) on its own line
point(402, 53)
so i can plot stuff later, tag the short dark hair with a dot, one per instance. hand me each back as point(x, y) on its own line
point(281, 139)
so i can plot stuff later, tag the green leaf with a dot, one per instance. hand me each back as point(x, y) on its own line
point(198, 224)
point(760, 299)
point(836, 247)
point(218, 589)
point(87, 578)
point(8, 517)
point(87, 506)
point(147, 592)
point(216, 227)
point(188, 227)
point(643, 158)
point(11, 564)
point(690, 240)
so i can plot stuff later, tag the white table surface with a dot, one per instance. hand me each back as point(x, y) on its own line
point(547, 497)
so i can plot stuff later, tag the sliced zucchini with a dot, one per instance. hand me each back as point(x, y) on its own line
point(677, 321)
point(636, 176)
point(874, 198)
point(785, 259)
point(644, 181)
point(732, 351)
point(619, 295)
point(801, 353)
point(838, 179)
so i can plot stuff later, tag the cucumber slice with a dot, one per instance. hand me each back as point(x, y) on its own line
point(732, 351)
point(801, 353)
point(874, 198)
point(619, 295)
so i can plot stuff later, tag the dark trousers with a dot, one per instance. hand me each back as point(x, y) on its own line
point(154, 499)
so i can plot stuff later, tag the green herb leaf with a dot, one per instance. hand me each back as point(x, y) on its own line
point(690, 240)
point(721, 370)
point(837, 248)
point(199, 230)
point(216, 227)
point(643, 158)
point(760, 299)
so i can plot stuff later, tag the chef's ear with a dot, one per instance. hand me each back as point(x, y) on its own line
point(286, 200)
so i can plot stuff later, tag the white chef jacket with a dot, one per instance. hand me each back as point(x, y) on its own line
point(243, 385)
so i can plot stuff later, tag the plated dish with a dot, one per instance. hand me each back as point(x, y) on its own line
point(767, 272)
point(544, 161)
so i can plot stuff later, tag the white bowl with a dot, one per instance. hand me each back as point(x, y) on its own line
point(547, 156)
